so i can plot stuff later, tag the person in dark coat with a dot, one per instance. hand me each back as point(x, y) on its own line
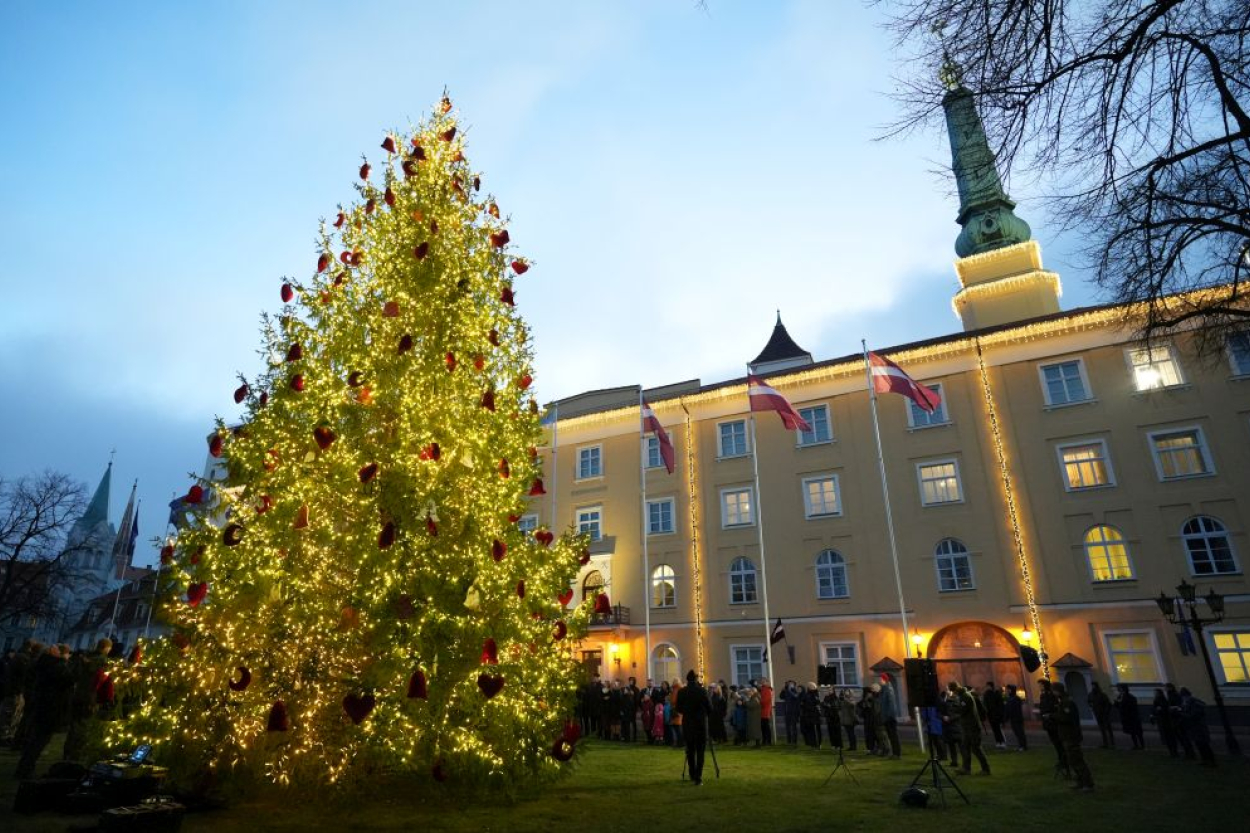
point(1193, 716)
point(48, 709)
point(847, 716)
point(994, 713)
point(694, 707)
point(833, 720)
point(1047, 703)
point(1067, 720)
point(965, 710)
point(809, 716)
point(1130, 717)
point(1100, 705)
point(720, 708)
point(1014, 709)
point(867, 713)
point(950, 728)
point(789, 697)
point(1178, 725)
point(1161, 717)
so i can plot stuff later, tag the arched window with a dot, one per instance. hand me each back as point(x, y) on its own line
point(831, 576)
point(954, 568)
point(663, 587)
point(1107, 553)
point(742, 581)
point(592, 585)
point(665, 663)
point(1210, 551)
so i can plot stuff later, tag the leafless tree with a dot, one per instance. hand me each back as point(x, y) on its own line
point(36, 515)
point(1135, 115)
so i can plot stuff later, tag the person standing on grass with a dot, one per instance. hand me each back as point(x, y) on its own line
point(675, 716)
point(889, 719)
point(1067, 720)
point(1130, 717)
point(809, 716)
point(1014, 709)
point(716, 724)
point(1101, 706)
point(867, 712)
point(766, 712)
point(1193, 715)
point(1161, 717)
point(966, 711)
point(694, 707)
point(846, 714)
point(754, 721)
point(1047, 702)
point(829, 708)
point(1178, 725)
point(993, 700)
point(948, 711)
point(790, 711)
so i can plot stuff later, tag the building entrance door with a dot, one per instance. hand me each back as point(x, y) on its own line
point(592, 662)
point(974, 653)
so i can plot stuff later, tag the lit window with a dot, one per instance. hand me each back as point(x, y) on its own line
point(954, 567)
point(1233, 653)
point(592, 585)
point(1210, 551)
point(843, 659)
point(831, 576)
point(1085, 466)
point(1181, 453)
point(590, 521)
point(742, 581)
point(1132, 657)
point(1154, 367)
point(1064, 383)
point(736, 507)
point(939, 482)
point(732, 438)
point(590, 462)
point(660, 516)
point(748, 663)
point(821, 496)
point(527, 524)
point(1108, 554)
point(1239, 353)
point(663, 587)
point(666, 663)
point(917, 417)
point(817, 417)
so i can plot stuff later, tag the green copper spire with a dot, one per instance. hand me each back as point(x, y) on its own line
point(98, 509)
point(985, 210)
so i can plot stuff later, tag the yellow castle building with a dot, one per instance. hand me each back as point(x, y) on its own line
point(1069, 476)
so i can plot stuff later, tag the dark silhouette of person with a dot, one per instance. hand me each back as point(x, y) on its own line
point(1067, 720)
point(694, 707)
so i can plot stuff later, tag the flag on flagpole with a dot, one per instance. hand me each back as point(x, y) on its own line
point(779, 633)
point(766, 398)
point(1186, 639)
point(887, 377)
point(651, 423)
point(134, 535)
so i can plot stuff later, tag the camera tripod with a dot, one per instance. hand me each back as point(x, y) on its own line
point(841, 765)
point(939, 775)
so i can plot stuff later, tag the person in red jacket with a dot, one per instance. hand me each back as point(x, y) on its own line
point(766, 712)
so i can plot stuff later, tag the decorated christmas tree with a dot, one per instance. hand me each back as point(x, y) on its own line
point(356, 596)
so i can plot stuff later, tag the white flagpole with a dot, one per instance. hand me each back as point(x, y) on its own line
point(646, 561)
point(759, 525)
point(885, 494)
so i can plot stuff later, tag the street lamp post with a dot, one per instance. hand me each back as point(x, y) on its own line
point(1187, 613)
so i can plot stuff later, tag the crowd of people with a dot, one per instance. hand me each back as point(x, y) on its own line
point(46, 689)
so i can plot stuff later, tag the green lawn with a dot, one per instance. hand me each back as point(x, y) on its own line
point(620, 787)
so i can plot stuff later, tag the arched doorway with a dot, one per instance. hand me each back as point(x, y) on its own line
point(974, 653)
point(592, 584)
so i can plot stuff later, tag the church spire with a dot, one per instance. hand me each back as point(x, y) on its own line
point(98, 509)
point(124, 544)
point(985, 210)
point(780, 353)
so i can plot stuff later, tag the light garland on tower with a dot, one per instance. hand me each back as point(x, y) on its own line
point(692, 503)
point(1013, 516)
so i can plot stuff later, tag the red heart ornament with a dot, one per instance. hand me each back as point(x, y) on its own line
point(364, 171)
point(323, 262)
point(561, 628)
point(520, 588)
point(493, 337)
point(297, 382)
point(410, 168)
point(448, 134)
point(387, 536)
point(196, 593)
point(499, 239)
point(278, 720)
point(488, 401)
point(565, 597)
point(422, 249)
point(525, 381)
point(368, 472)
point(602, 606)
point(445, 104)
point(370, 205)
point(520, 267)
point(215, 444)
point(537, 489)
point(389, 197)
point(490, 684)
point(477, 183)
point(493, 210)
point(324, 436)
point(294, 353)
point(507, 296)
point(194, 495)
point(245, 680)
point(405, 344)
point(388, 145)
point(490, 652)
point(358, 706)
point(287, 293)
point(240, 393)
point(301, 517)
point(417, 686)
point(544, 537)
point(498, 550)
point(450, 361)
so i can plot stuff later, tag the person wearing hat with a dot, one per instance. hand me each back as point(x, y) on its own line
point(694, 707)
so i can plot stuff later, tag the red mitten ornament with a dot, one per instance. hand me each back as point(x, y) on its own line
point(417, 687)
point(196, 593)
point(278, 720)
point(490, 652)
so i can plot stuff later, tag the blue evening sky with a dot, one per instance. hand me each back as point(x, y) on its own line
point(676, 175)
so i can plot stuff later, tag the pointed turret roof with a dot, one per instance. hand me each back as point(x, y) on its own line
point(780, 352)
point(98, 509)
point(985, 211)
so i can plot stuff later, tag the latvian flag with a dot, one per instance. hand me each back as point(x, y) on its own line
point(765, 398)
point(651, 423)
point(887, 377)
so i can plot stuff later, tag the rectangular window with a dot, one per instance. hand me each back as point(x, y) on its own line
point(821, 496)
point(590, 520)
point(1085, 466)
point(843, 659)
point(732, 439)
point(939, 482)
point(816, 416)
point(1132, 657)
point(748, 663)
point(590, 462)
point(736, 507)
point(660, 516)
point(1239, 353)
point(527, 524)
point(1064, 383)
point(917, 417)
point(1233, 655)
point(651, 456)
point(1180, 453)
point(1154, 367)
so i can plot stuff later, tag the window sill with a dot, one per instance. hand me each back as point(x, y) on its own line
point(743, 604)
point(651, 534)
point(1180, 477)
point(741, 456)
point(589, 479)
point(941, 503)
point(1063, 405)
point(1077, 489)
point(815, 444)
point(958, 590)
point(913, 428)
point(1163, 389)
point(822, 516)
point(1209, 576)
point(738, 526)
point(1113, 582)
